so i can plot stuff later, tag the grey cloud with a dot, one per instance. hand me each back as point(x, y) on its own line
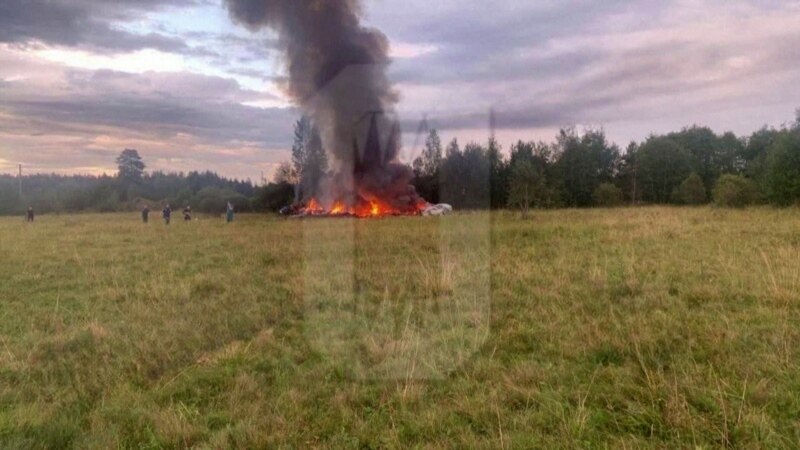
point(474, 44)
point(507, 55)
point(83, 23)
point(154, 104)
point(222, 122)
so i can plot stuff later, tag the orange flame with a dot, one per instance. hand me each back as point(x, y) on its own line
point(365, 209)
point(338, 209)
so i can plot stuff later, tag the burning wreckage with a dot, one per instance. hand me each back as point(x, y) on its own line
point(372, 186)
point(363, 210)
point(336, 74)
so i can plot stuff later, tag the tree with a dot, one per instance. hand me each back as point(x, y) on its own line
point(662, 166)
point(302, 134)
point(734, 191)
point(692, 191)
point(131, 166)
point(607, 195)
point(316, 164)
point(585, 162)
point(453, 148)
point(432, 155)
point(465, 177)
point(527, 186)
point(427, 168)
point(214, 200)
point(76, 193)
point(285, 174)
point(539, 155)
point(273, 197)
point(783, 169)
point(418, 167)
point(729, 149)
point(498, 175)
point(754, 153)
point(627, 177)
point(308, 158)
point(711, 155)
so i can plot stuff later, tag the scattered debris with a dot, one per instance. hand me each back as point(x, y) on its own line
point(442, 209)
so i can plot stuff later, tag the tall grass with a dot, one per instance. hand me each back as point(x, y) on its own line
point(624, 328)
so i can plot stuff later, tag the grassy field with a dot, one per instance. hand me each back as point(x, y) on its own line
point(629, 328)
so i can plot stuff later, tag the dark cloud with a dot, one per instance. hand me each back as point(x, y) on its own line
point(84, 23)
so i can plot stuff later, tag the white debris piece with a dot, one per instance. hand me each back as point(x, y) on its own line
point(442, 209)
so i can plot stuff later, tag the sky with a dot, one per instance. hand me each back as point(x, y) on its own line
point(178, 80)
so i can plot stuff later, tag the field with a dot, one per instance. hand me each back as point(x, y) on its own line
point(626, 328)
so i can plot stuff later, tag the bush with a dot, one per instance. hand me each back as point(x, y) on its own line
point(691, 191)
point(274, 196)
point(214, 200)
point(734, 191)
point(607, 195)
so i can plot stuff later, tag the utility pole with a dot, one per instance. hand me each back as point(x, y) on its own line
point(20, 181)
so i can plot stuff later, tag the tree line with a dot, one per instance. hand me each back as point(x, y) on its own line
point(580, 169)
point(692, 166)
point(130, 189)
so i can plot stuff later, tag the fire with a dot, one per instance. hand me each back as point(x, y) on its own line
point(338, 209)
point(314, 206)
point(364, 209)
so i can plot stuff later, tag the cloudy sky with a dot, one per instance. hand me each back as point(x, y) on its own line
point(80, 80)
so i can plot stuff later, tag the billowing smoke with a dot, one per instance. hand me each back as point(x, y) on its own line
point(337, 75)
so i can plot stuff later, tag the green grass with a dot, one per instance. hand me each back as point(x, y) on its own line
point(628, 328)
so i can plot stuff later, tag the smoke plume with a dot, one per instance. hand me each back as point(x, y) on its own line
point(337, 74)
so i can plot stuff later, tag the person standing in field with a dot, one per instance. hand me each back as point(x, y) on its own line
point(167, 214)
point(229, 213)
point(187, 213)
point(145, 214)
point(29, 216)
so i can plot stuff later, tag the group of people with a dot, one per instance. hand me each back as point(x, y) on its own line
point(166, 213)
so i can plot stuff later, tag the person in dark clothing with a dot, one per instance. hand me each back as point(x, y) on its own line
point(29, 215)
point(145, 214)
point(229, 214)
point(187, 213)
point(167, 214)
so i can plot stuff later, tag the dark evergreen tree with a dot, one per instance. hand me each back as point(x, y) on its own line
point(308, 158)
point(131, 166)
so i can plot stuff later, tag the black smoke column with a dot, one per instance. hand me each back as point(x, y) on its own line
point(337, 75)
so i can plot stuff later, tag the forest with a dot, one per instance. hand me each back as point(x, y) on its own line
point(581, 168)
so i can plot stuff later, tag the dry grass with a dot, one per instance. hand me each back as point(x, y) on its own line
point(629, 328)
